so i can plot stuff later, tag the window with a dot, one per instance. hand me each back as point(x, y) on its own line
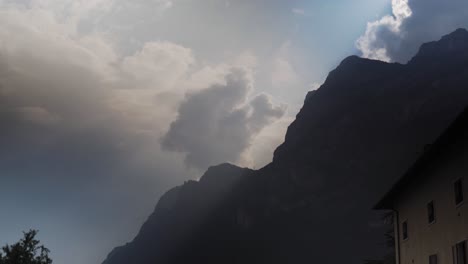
point(430, 212)
point(404, 229)
point(433, 259)
point(458, 188)
point(459, 253)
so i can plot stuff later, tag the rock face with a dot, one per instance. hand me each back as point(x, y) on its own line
point(352, 139)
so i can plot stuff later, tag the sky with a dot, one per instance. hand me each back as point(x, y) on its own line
point(107, 104)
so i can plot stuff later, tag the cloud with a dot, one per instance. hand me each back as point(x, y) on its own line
point(217, 124)
point(283, 74)
point(264, 112)
point(156, 60)
point(37, 115)
point(82, 119)
point(81, 124)
point(413, 22)
point(384, 35)
point(315, 85)
point(298, 11)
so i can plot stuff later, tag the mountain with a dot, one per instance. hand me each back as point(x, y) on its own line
point(354, 137)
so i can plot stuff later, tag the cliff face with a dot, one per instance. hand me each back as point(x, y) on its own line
point(351, 140)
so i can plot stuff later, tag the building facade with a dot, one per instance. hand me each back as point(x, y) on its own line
point(430, 202)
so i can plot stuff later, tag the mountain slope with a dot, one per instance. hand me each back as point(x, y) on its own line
point(353, 137)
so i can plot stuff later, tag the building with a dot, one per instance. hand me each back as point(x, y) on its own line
point(430, 202)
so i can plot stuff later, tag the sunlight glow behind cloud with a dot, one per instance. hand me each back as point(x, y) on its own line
point(397, 38)
point(369, 43)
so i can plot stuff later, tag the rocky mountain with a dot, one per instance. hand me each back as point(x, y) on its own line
point(354, 137)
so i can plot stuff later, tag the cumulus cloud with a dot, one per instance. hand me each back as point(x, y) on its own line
point(385, 35)
point(157, 59)
point(397, 37)
point(217, 124)
point(264, 112)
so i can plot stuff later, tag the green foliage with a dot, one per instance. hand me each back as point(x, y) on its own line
point(26, 251)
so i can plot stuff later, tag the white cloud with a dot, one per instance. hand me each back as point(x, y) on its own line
point(413, 22)
point(401, 9)
point(371, 44)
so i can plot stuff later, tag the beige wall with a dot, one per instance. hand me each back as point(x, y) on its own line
point(451, 224)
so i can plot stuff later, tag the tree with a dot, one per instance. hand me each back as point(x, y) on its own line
point(389, 258)
point(26, 251)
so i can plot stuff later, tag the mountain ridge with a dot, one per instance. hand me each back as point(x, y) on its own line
point(353, 137)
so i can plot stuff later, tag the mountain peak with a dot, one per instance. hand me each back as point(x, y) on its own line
point(451, 48)
point(460, 32)
point(223, 174)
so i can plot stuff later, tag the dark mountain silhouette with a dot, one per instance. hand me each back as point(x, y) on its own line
point(352, 139)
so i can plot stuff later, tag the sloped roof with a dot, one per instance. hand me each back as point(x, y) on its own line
point(458, 128)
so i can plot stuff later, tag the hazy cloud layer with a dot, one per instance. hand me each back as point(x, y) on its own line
point(82, 123)
point(218, 123)
point(398, 37)
point(80, 132)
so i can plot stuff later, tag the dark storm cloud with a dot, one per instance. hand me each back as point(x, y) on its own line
point(398, 37)
point(217, 124)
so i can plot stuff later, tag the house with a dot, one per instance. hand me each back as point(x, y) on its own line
point(430, 202)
